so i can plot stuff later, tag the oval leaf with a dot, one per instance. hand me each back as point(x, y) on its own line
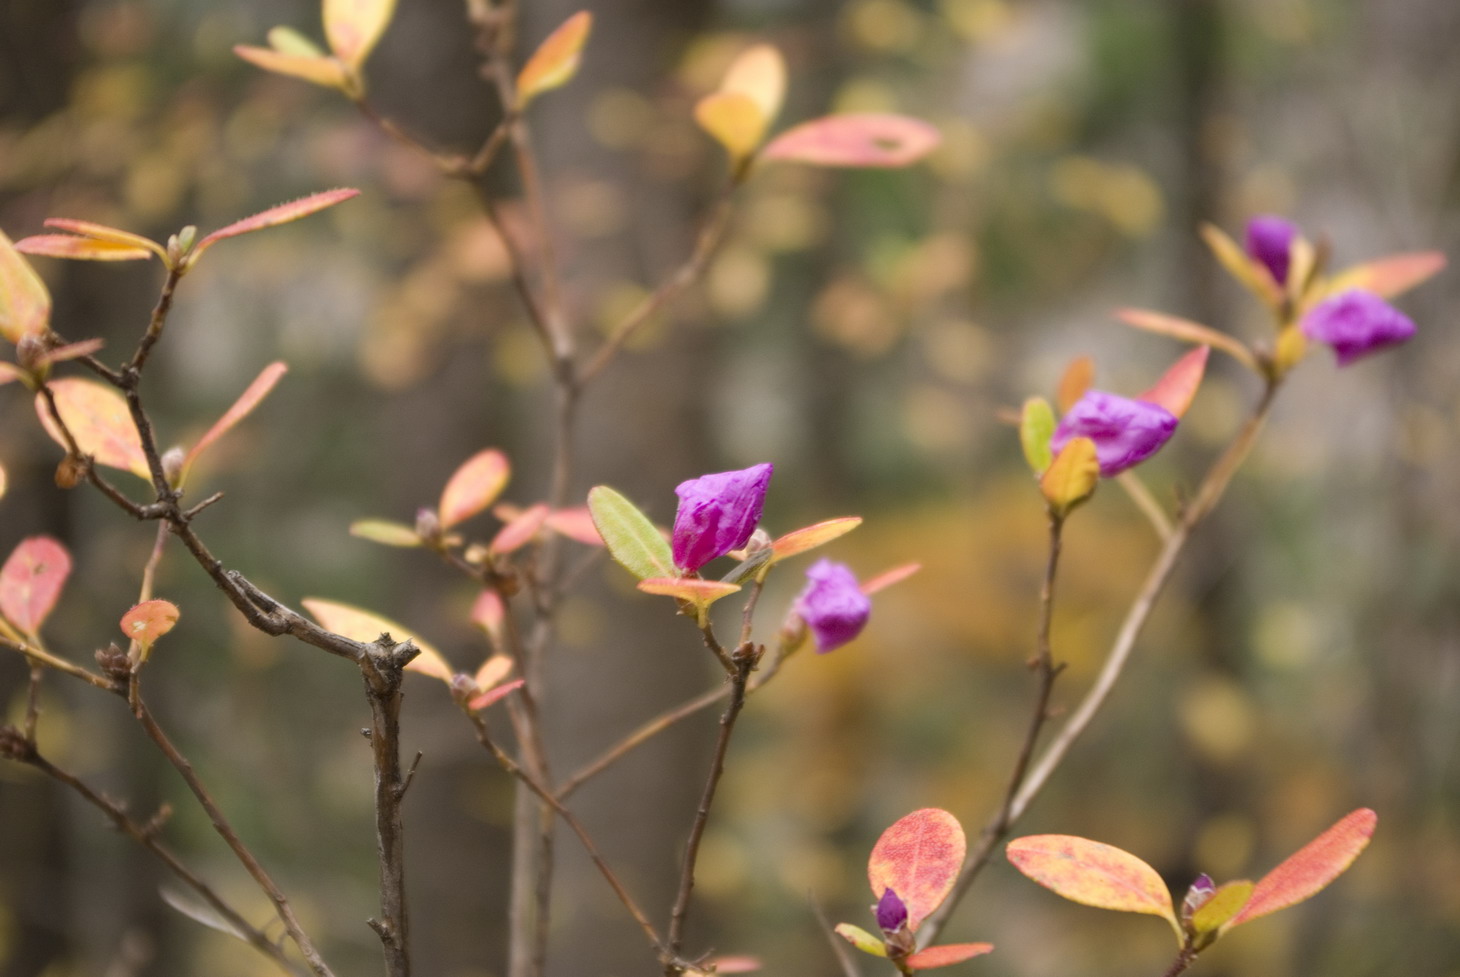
point(1072, 476)
point(556, 60)
point(520, 530)
point(735, 121)
point(79, 248)
point(473, 486)
point(364, 626)
point(631, 538)
point(1178, 385)
point(495, 695)
point(810, 537)
point(1221, 906)
point(1036, 427)
point(1092, 873)
point(25, 305)
point(1389, 276)
point(274, 216)
point(489, 615)
point(759, 73)
point(919, 858)
point(242, 407)
point(353, 27)
point(861, 939)
point(98, 418)
point(1311, 867)
point(867, 139)
point(493, 671)
point(326, 71)
point(148, 621)
point(31, 582)
point(385, 532)
point(944, 956)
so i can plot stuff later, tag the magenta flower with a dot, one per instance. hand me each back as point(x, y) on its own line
point(1126, 432)
point(1356, 323)
point(891, 912)
point(833, 605)
point(717, 513)
point(1269, 240)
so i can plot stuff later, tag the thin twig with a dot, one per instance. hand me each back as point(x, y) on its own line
point(40, 656)
point(839, 947)
point(1146, 502)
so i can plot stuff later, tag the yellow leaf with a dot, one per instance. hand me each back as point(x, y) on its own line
point(364, 626)
point(734, 120)
point(801, 540)
point(556, 60)
point(759, 73)
point(353, 27)
point(25, 305)
point(1072, 476)
point(326, 71)
point(1251, 274)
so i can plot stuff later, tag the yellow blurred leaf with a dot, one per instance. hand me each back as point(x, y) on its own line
point(734, 120)
point(322, 70)
point(759, 73)
point(79, 248)
point(353, 27)
point(1253, 275)
point(25, 305)
point(1389, 276)
point(1076, 379)
point(1072, 476)
point(556, 60)
point(98, 418)
point(365, 626)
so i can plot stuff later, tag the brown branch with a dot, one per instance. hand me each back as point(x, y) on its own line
point(39, 656)
point(1183, 960)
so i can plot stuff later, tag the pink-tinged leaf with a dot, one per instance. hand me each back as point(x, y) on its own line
point(869, 139)
point(861, 939)
point(385, 532)
point(702, 593)
point(733, 964)
point(489, 615)
point(1389, 276)
point(1178, 385)
point(148, 621)
point(473, 486)
point(947, 955)
point(495, 695)
point(493, 670)
point(919, 858)
point(520, 530)
point(98, 419)
point(1077, 379)
point(1312, 867)
point(801, 540)
point(274, 216)
point(576, 524)
point(556, 60)
point(72, 351)
point(320, 70)
point(242, 407)
point(25, 305)
point(1092, 873)
point(353, 27)
point(1221, 906)
point(1188, 332)
point(31, 581)
point(102, 232)
point(364, 626)
point(887, 578)
point(79, 248)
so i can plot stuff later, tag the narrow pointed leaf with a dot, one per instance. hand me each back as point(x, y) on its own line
point(1036, 427)
point(495, 695)
point(1176, 388)
point(1092, 873)
point(947, 955)
point(1252, 275)
point(31, 582)
point(385, 532)
point(733, 964)
point(861, 939)
point(556, 60)
point(322, 70)
point(101, 232)
point(759, 73)
point(1072, 476)
point(919, 858)
point(1223, 904)
point(148, 621)
point(79, 248)
point(488, 614)
point(25, 305)
point(72, 351)
point(734, 120)
point(1077, 378)
point(274, 216)
point(194, 908)
point(631, 538)
point(9, 372)
point(870, 139)
point(473, 486)
point(520, 530)
point(98, 419)
point(353, 27)
point(1187, 331)
point(800, 540)
point(242, 407)
point(364, 626)
point(1308, 870)
point(887, 578)
point(1389, 276)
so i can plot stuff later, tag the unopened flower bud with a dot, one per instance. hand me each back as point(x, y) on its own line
point(172, 465)
point(1201, 890)
point(891, 912)
point(717, 513)
point(428, 525)
point(1270, 241)
point(833, 605)
point(1126, 432)
point(463, 686)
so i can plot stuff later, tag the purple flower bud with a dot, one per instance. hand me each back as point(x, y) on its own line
point(717, 513)
point(891, 912)
point(1197, 896)
point(1356, 323)
point(833, 605)
point(1269, 240)
point(1126, 432)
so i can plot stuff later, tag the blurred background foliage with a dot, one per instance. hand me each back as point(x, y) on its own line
point(862, 331)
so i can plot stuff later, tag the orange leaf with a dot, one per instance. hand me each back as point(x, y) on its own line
point(1311, 867)
point(1072, 476)
point(489, 615)
point(1389, 276)
point(575, 523)
point(735, 121)
point(867, 139)
point(801, 540)
point(555, 62)
point(520, 530)
point(1221, 906)
point(887, 578)
point(1177, 385)
point(919, 858)
point(31, 581)
point(733, 964)
point(274, 216)
point(364, 626)
point(1077, 378)
point(1092, 873)
point(99, 420)
point(242, 407)
point(473, 486)
point(1187, 331)
point(25, 305)
point(946, 955)
point(79, 248)
point(701, 593)
point(318, 70)
point(102, 232)
point(353, 27)
point(148, 621)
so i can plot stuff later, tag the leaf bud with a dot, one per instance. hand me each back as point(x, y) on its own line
point(428, 525)
point(172, 465)
point(114, 662)
point(70, 472)
point(30, 353)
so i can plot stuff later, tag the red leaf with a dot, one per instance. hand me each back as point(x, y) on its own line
point(1177, 386)
point(282, 214)
point(577, 524)
point(242, 407)
point(1311, 867)
point(31, 581)
point(869, 139)
point(946, 955)
point(495, 695)
point(1092, 873)
point(488, 614)
point(473, 486)
point(919, 858)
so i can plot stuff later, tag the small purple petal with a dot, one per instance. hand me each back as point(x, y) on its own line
point(891, 912)
point(833, 605)
point(1269, 240)
point(717, 513)
point(1201, 890)
point(1356, 323)
point(1126, 432)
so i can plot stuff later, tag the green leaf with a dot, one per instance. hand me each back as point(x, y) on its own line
point(861, 939)
point(1036, 427)
point(631, 538)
